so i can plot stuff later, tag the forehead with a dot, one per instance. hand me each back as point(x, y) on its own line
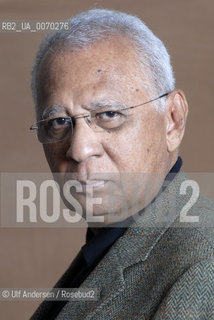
point(106, 67)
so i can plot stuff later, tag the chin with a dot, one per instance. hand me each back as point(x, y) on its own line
point(101, 209)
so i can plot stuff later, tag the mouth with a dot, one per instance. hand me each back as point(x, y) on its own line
point(88, 185)
point(83, 184)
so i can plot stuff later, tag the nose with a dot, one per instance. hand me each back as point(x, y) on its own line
point(83, 143)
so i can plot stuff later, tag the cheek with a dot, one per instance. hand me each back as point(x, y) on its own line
point(49, 155)
point(154, 150)
point(140, 148)
point(53, 155)
point(123, 149)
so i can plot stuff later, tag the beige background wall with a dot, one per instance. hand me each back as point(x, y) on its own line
point(37, 257)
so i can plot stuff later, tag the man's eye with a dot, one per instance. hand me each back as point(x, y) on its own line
point(110, 119)
point(108, 115)
point(58, 123)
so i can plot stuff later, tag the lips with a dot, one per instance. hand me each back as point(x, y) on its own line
point(95, 184)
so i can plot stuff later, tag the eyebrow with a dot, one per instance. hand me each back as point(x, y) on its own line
point(52, 110)
point(104, 103)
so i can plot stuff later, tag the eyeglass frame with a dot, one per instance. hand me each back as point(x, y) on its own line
point(35, 126)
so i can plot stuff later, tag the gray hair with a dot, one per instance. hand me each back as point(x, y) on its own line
point(98, 24)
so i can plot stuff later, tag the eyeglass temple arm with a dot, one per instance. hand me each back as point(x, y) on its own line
point(141, 104)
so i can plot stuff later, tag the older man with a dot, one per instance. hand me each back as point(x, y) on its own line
point(108, 114)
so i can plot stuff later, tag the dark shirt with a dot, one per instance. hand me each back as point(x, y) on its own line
point(93, 251)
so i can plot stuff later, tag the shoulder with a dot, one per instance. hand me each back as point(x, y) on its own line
point(188, 249)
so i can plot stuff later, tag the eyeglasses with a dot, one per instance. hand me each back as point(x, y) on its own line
point(104, 118)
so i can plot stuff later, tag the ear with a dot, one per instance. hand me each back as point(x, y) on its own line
point(176, 116)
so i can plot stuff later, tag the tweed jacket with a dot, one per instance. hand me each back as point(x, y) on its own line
point(160, 268)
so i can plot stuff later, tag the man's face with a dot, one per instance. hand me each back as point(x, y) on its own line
point(106, 71)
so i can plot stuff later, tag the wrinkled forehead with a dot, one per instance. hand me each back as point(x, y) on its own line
point(110, 61)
